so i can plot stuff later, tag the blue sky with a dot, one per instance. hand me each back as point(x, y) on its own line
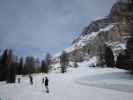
point(34, 27)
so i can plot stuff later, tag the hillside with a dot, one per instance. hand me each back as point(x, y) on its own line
point(77, 84)
point(112, 30)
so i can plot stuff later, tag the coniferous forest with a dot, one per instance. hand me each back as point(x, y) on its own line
point(11, 65)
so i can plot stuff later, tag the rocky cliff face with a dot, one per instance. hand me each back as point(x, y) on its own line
point(112, 30)
point(122, 11)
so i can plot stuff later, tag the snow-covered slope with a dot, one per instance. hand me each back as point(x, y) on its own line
point(87, 38)
point(82, 83)
point(111, 30)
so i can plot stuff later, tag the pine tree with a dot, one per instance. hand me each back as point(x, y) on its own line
point(48, 61)
point(29, 66)
point(13, 72)
point(11, 68)
point(3, 67)
point(37, 65)
point(64, 62)
point(109, 57)
point(20, 67)
point(44, 67)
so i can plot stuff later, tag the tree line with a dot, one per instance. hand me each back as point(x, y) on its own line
point(10, 65)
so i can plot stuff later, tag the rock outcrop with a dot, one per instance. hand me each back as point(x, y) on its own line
point(112, 30)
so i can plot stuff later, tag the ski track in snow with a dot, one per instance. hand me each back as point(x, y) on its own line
point(82, 83)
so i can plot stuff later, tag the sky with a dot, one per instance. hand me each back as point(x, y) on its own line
point(35, 27)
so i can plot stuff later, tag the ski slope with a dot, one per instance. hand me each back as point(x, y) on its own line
point(81, 83)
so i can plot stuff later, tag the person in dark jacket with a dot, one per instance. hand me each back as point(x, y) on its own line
point(19, 80)
point(42, 80)
point(31, 79)
point(46, 84)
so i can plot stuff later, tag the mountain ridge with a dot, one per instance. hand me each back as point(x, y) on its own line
point(112, 30)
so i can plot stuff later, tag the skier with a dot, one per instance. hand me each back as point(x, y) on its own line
point(19, 80)
point(42, 80)
point(46, 84)
point(31, 79)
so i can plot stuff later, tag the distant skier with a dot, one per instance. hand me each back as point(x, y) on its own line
point(19, 80)
point(46, 84)
point(31, 79)
point(43, 81)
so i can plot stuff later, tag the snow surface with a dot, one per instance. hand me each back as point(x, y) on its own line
point(82, 83)
point(117, 45)
point(99, 18)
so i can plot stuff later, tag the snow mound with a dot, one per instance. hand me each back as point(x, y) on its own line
point(99, 18)
point(92, 62)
